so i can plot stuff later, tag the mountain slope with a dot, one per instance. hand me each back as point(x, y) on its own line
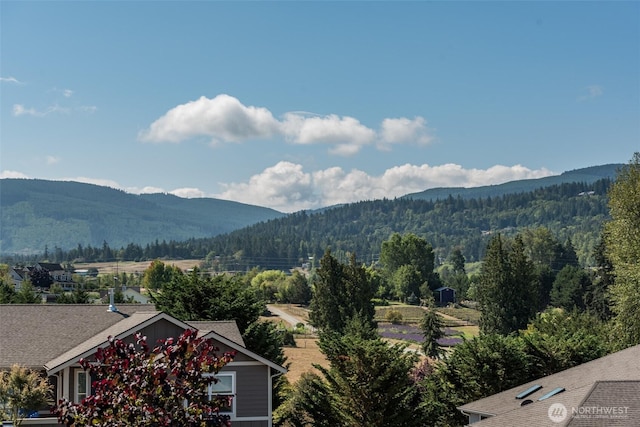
point(38, 213)
point(585, 175)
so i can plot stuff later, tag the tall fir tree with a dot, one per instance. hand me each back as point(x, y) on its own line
point(340, 292)
point(623, 249)
point(507, 289)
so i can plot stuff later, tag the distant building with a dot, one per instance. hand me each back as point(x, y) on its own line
point(445, 295)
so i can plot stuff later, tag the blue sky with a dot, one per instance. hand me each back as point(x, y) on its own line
point(296, 105)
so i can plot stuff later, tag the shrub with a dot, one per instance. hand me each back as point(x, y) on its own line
point(393, 316)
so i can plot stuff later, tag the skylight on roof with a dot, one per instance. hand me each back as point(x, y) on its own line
point(528, 391)
point(552, 393)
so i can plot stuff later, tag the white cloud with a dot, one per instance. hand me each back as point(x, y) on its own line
point(225, 119)
point(67, 93)
point(145, 190)
point(52, 160)
point(286, 187)
point(12, 174)
point(10, 80)
point(21, 110)
point(188, 193)
point(403, 130)
point(591, 92)
point(348, 133)
point(280, 186)
point(222, 118)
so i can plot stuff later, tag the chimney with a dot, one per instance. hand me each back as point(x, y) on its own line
point(112, 307)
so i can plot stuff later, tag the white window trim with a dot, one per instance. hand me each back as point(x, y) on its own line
point(76, 398)
point(231, 374)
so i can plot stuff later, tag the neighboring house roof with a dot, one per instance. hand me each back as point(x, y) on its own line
point(33, 334)
point(580, 383)
point(125, 327)
point(226, 328)
point(444, 288)
point(51, 266)
point(55, 336)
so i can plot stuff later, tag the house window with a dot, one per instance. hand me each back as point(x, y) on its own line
point(224, 386)
point(83, 385)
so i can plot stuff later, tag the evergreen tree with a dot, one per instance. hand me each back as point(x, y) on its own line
point(431, 326)
point(368, 381)
point(340, 292)
point(506, 288)
point(569, 288)
point(221, 297)
point(7, 293)
point(27, 294)
point(597, 297)
point(623, 249)
point(558, 339)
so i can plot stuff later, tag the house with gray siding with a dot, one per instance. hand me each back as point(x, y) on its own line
point(53, 338)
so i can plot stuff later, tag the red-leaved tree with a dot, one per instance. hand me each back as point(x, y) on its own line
point(166, 386)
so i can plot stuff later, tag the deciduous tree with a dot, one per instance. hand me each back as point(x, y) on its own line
point(22, 391)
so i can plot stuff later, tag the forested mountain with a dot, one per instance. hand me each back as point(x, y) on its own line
point(83, 221)
point(585, 175)
point(573, 211)
point(60, 214)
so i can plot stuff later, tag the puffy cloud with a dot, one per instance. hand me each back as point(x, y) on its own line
point(225, 119)
point(403, 130)
point(286, 187)
point(282, 187)
point(222, 118)
point(348, 133)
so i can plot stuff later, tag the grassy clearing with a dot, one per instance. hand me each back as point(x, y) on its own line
point(302, 357)
point(468, 332)
point(465, 314)
point(410, 313)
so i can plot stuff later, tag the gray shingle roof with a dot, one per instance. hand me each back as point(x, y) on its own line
point(610, 403)
point(226, 328)
point(578, 382)
point(34, 334)
point(127, 325)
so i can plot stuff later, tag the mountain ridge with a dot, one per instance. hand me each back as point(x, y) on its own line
point(38, 214)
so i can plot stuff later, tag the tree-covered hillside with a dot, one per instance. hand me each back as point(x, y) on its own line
point(39, 213)
point(574, 211)
point(82, 221)
point(585, 175)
